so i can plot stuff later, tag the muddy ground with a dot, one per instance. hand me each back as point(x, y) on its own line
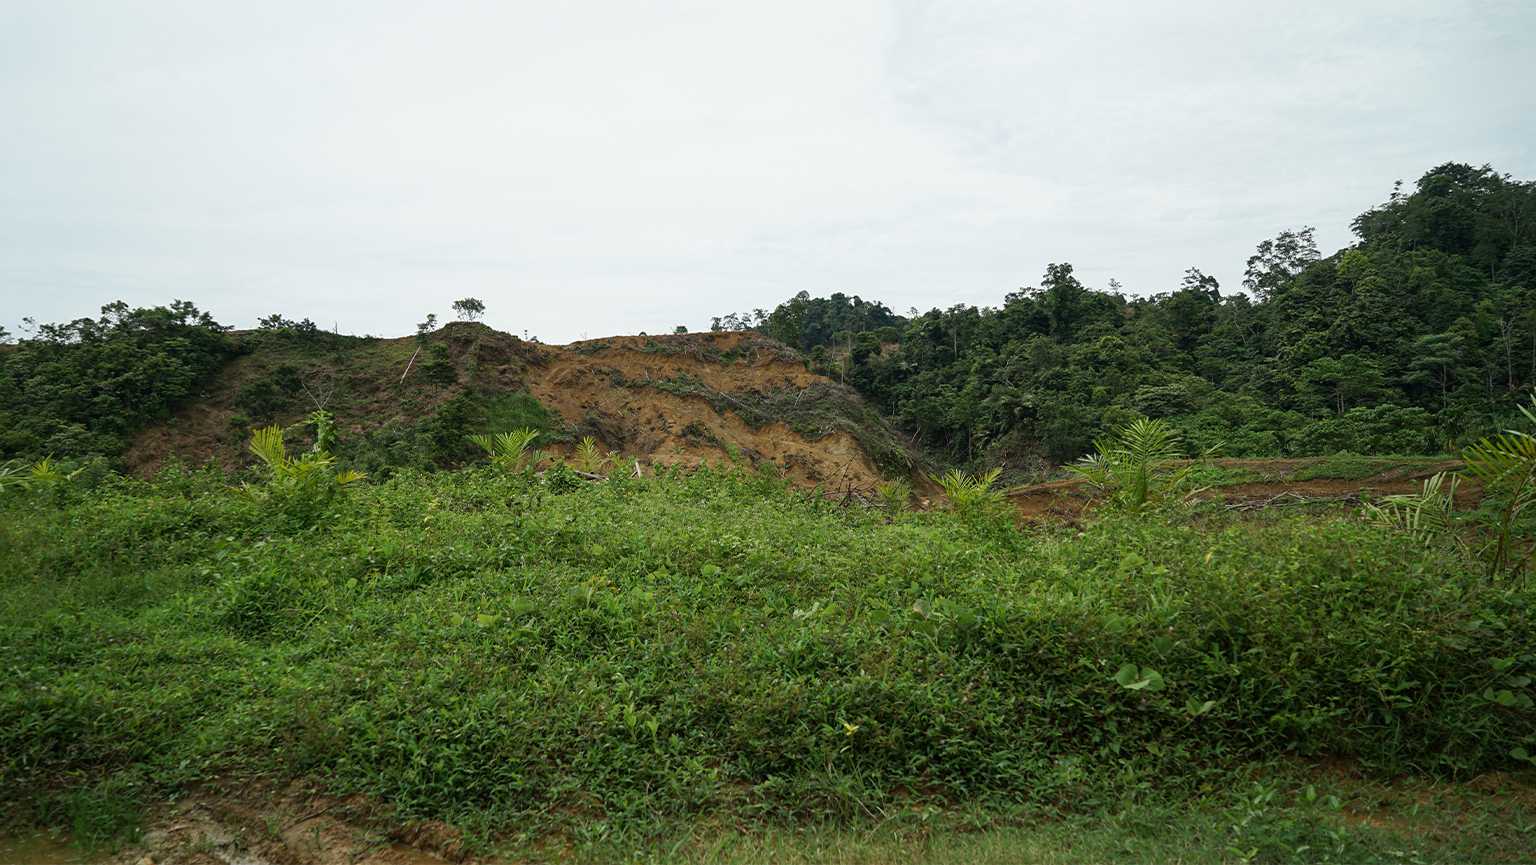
point(230, 822)
point(1276, 486)
point(251, 823)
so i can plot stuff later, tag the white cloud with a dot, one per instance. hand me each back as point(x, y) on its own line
point(615, 167)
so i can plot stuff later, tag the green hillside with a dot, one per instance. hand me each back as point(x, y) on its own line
point(1417, 339)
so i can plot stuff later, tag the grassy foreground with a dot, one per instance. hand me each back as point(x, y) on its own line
point(691, 665)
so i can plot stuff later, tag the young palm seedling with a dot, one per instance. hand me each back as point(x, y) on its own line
point(510, 451)
point(893, 495)
point(970, 493)
point(591, 460)
point(1506, 465)
point(1139, 466)
point(309, 472)
point(1426, 515)
point(301, 487)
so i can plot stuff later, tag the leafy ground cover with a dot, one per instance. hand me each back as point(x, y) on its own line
point(712, 666)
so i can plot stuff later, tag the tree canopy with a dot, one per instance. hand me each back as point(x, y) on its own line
point(1420, 336)
point(82, 388)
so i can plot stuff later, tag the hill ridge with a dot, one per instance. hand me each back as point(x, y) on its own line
point(673, 400)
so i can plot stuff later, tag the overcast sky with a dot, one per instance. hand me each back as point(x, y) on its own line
point(591, 169)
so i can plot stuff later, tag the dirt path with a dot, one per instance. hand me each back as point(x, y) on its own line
point(1277, 483)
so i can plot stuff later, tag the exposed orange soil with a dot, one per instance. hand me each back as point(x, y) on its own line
point(586, 383)
point(1070, 498)
point(614, 389)
point(682, 400)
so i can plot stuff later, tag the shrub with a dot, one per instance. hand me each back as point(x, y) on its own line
point(298, 487)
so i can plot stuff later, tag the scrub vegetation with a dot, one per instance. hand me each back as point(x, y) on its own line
point(685, 662)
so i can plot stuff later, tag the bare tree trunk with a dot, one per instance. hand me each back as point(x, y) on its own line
point(1506, 333)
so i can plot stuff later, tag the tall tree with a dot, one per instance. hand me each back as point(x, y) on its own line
point(1279, 261)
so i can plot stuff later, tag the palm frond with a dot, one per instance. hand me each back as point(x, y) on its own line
point(510, 452)
point(1138, 466)
point(589, 459)
point(267, 445)
point(1095, 469)
point(969, 492)
point(1506, 458)
point(1425, 515)
point(12, 473)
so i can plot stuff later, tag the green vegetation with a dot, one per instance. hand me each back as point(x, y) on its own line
point(298, 488)
point(591, 459)
point(1428, 515)
point(1141, 467)
point(804, 322)
point(1418, 339)
point(411, 406)
point(84, 390)
point(510, 451)
point(1349, 468)
point(970, 494)
point(468, 309)
point(1505, 466)
point(617, 667)
point(593, 662)
point(519, 410)
point(81, 389)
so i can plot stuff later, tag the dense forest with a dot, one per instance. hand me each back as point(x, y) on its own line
point(83, 388)
point(1419, 337)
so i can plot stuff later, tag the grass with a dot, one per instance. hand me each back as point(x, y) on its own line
point(713, 667)
point(520, 410)
point(1217, 475)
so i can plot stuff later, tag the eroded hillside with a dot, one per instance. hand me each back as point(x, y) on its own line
point(672, 400)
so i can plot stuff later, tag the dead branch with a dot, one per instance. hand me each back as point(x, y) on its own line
point(408, 365)
point(1290, 499)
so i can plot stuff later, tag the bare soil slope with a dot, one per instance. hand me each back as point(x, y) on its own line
point(674, 400)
